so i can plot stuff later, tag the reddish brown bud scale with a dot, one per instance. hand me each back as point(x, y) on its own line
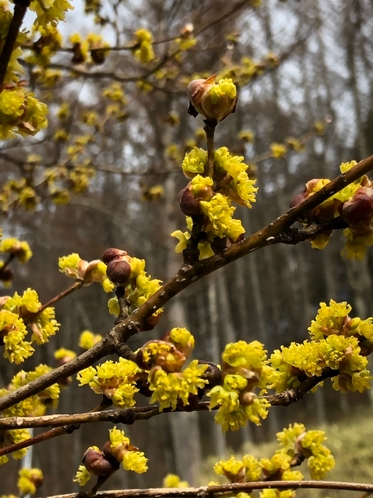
point(118, 271)
point(112, 253)
point(96, 463)
point(359, 210)
point(106, 450)
point(189, 205)
point(212, 374)
point(298, 199)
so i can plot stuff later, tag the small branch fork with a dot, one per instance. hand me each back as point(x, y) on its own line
point(214, 491)
point(185, 277)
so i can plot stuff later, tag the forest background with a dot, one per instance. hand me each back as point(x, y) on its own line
point(313, 64)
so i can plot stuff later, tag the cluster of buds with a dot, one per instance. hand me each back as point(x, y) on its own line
point(170, 353)
point(115, 452)
point(353, 204)
point(129, 273)
point(165, 376)
point(213, 100)
point(326, 211)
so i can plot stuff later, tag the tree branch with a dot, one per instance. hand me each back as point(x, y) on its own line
point(210, 491)
point(20, 9)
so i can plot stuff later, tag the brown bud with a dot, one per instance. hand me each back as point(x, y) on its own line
point(366, 346)
point(96, 463)
point(191, 406)
point(98, 56)
point(298, 199)
point(247, 398)
point(142, 384)
point(212, 374)
point(118, 271)
point(359, 210)
point(106, 450)
point(6, 274)
point(112, 253)
point(36, 478)
point(189, 205)
point(219, 245)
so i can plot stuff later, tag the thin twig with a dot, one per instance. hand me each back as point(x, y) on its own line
point(210, 126)
point(77, 285)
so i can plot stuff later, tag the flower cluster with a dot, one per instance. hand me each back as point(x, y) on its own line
point(115, 380)
point(278, 150)
point(21, 112)
point(15, 249)
point(244, 368)
point(338, 342)
point(163, 360)
point(18, 312)
point(174, 481)
point(93, 45)
point(115, 452)
point(86, 272)
point(88, 339)
point(129, 272)
point(354, 204)
point(50, 12)
point(296, 446)
point(143, 47)
point(11, 437)
point(18, 248)
point(211, 198)
point(301, 445)
point(30, 480)
point(33, 406)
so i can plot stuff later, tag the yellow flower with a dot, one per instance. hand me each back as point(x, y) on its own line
point(174, 481)
point(20, 249)
point(29, 480)
point(88, 339)
point(183, 238)
point(278, 150)
point(82, 476)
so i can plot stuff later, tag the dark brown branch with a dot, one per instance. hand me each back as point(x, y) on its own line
point(59, 431)
point(294, 235)
point(125, 416)
point(20, 9)
point(210, 491)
